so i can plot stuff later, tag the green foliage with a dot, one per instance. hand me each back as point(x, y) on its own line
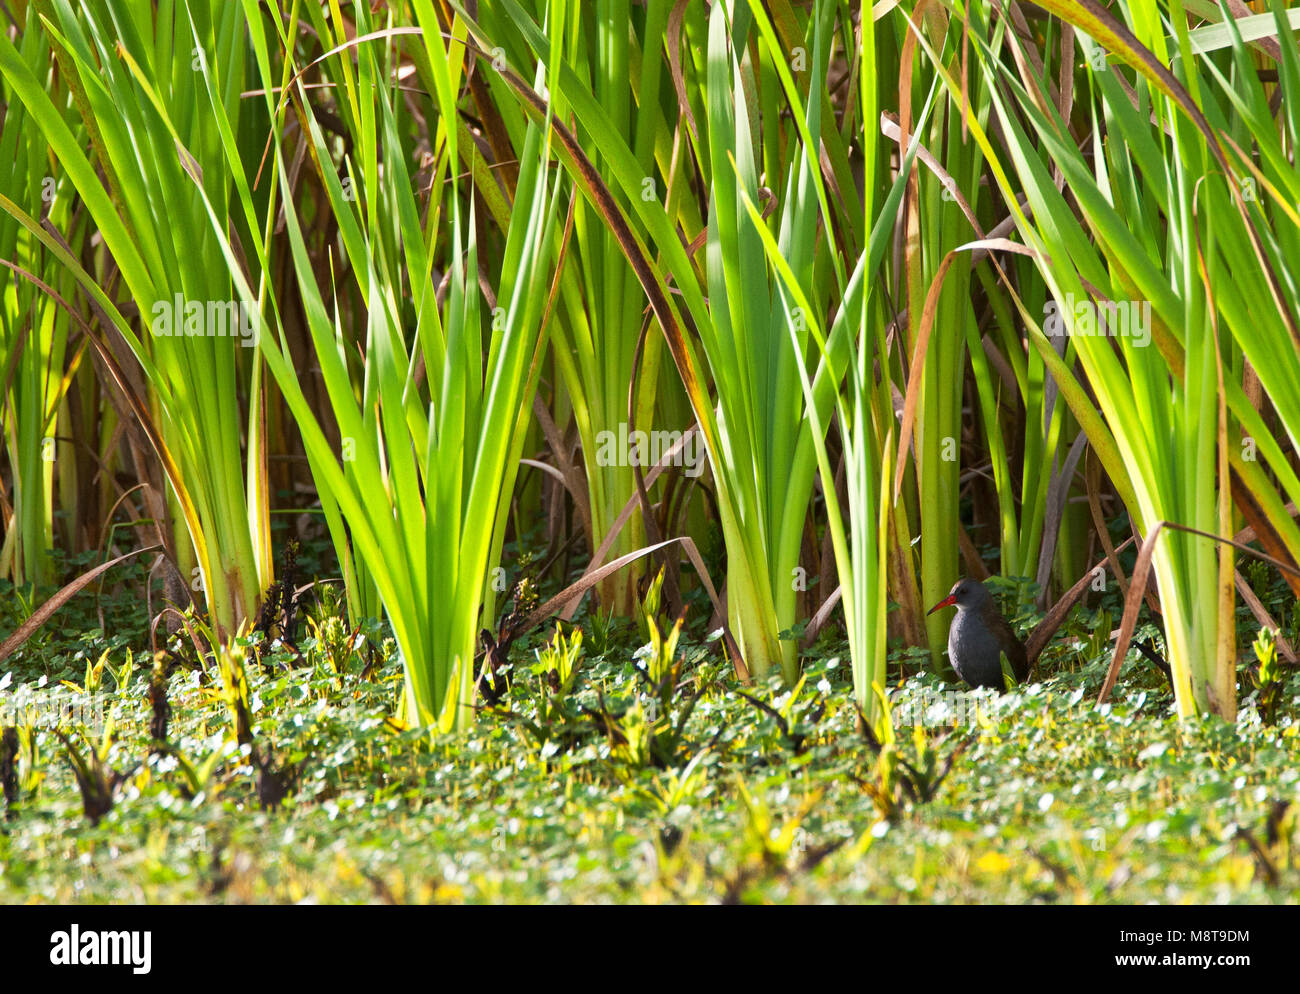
point(446, 222)
point(1268, 679)
point(558, 666)
point(232, 691)
point(1052, 799)
point(96, 779)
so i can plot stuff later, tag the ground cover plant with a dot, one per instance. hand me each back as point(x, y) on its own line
point(522, 451)
point(577, 787)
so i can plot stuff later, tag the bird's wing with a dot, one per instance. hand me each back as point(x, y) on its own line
point(1012, 647)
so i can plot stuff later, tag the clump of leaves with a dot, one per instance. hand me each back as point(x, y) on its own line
point(30, 767)
point(796, 718)
point(603, 630)
point(196, 776)
point(93, 681)
point(160, 709)
point(643, 729)
point(657, 661)
point(558, 665)
point(233, 692)
point(1274, 854)
point(90, 684)
point(895, 781)
point(557, 719)
point(652, 729)
point(97, 781)
point(334, 643)
point(673, 789)
point(768, 850)
point(1268, 678)
point(649, 732)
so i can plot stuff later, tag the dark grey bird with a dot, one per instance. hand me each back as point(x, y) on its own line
point(980, 636)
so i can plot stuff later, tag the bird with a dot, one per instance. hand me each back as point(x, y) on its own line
point(980, 636)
